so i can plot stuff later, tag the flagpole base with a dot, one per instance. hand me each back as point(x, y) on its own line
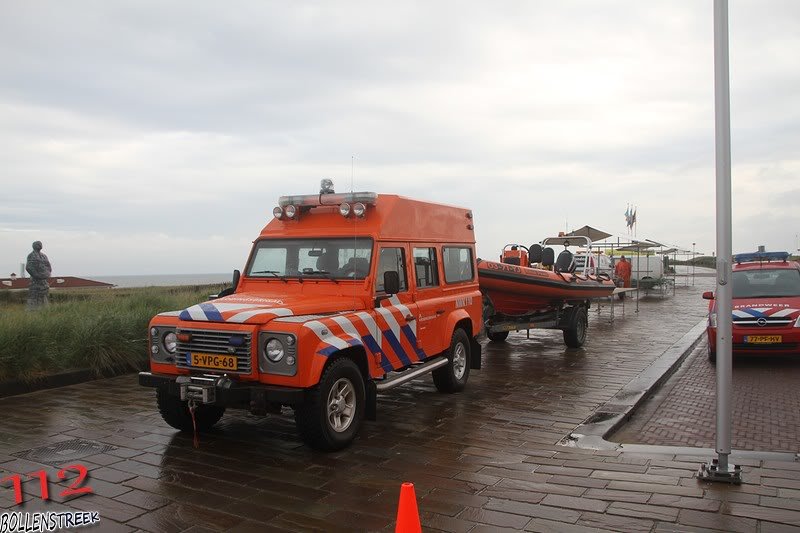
point(712, 472)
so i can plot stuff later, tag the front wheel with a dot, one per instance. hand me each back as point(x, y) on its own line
point(575, 335)
point(453, 376)
point(176, 413)
point(331, 416)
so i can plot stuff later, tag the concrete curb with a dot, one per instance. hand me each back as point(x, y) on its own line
point(74, 377)
point(619, 409)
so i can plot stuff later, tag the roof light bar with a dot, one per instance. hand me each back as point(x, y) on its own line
point(751, 257)
point(316, 200)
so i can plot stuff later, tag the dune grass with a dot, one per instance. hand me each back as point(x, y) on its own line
point(104, 331)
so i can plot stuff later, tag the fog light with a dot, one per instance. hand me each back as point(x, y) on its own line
point(277, 212)
point(344, 209)
point(359, 209)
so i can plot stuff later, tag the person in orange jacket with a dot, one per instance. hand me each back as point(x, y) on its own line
point(623, 271)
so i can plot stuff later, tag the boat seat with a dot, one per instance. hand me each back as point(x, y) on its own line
point(548, 257)
point(565, 262)
point(535, 253)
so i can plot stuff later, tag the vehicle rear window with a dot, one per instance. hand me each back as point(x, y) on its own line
point(457, 263)
point(762, 283)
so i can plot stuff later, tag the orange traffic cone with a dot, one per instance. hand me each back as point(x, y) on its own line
point(407, 513)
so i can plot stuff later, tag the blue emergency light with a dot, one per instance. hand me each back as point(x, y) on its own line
point(751, 257)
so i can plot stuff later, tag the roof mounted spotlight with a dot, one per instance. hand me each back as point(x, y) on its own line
point(290, 211)
point(344, 209)
point(359, 209)
point(326, 186)
point(277, 212)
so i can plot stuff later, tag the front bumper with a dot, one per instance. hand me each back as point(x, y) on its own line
point(223, 391)
point(789, 345)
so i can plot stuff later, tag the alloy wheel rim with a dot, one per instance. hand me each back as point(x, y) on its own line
point(459, 361)
point(341, 405)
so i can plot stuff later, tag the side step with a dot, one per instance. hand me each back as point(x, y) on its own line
point(411, 373)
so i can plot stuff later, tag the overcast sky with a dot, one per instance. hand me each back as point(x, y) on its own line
point(155, 137)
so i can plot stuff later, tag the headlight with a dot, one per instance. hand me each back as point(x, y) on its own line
point(274, 350)
point(171, 342)
point(712, 320)
point(797, 322)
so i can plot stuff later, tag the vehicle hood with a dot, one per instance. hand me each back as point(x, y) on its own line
point(253, 309)
point(766, 308)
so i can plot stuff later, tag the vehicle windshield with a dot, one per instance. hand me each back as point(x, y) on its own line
point(335, 258)
point(762, 283)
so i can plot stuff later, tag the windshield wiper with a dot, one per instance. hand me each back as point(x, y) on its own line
point(319, 273)
point(273, 272)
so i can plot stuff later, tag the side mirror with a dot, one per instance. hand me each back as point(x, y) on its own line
point(230, 290)
point(391, 282)
point(708, 295)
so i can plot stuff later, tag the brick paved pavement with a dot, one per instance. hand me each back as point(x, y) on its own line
point(766, 406)
point(483, 460)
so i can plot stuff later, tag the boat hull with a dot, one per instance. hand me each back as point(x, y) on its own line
point(517, 290)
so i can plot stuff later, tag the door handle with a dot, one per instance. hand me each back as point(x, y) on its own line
point(440, 311)
point(410, 318)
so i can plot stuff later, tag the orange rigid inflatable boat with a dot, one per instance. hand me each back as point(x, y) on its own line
point(514, 288)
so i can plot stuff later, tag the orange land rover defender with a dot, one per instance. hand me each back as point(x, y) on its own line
point(343, 296)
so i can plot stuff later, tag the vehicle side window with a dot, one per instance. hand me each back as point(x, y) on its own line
point(391, 259)
point(457, 264)
point(426, 270)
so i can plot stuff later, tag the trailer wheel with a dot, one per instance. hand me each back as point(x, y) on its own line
point(176, 413)
point(331, 416)
point(453, 376)
point(575, 334)
point(498, 336)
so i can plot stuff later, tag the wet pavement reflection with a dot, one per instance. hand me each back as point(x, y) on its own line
point(483, 459)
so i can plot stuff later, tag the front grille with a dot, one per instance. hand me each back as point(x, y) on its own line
point(769, 322)
point(218, 343)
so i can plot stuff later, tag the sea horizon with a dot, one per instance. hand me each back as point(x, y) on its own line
point(162, 280)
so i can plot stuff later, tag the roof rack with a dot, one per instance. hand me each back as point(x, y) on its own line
point(750, 257)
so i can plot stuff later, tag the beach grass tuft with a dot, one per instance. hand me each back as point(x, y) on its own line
point(101, 330)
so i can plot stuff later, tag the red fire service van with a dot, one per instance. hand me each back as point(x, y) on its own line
point(766, 306)
point(343, 296)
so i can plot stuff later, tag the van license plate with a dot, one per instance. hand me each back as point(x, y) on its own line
point(215, 361)
point(763, 339)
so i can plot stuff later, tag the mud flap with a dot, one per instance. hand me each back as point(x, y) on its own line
point(475, 354)
point(371, 409)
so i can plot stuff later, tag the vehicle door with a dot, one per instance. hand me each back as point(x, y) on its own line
point(430, 299)
point(396, 316)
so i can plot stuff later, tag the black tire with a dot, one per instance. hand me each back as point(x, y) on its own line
point(712, 354)
point(453, 376)
point(343, 385)
point(575, 335)
point(498, 336)
point(176, 413)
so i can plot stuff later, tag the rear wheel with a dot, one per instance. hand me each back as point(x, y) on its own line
point(176, 413)
point(575, 334)
point(453, 376)
point(498, 336)
point(331, 416)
